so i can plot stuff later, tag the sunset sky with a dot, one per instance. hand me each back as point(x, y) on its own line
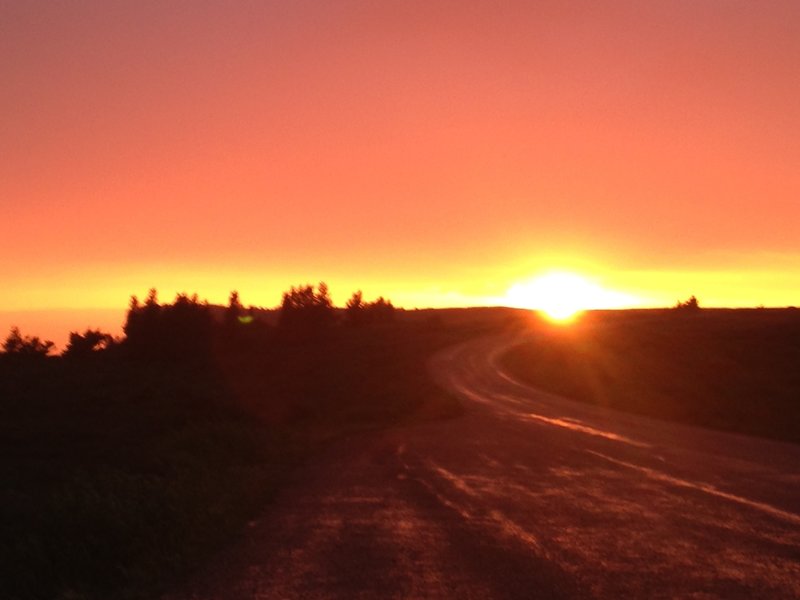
point(436, 152)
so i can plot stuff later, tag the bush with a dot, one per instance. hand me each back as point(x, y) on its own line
point(19, 345)
point(358, 313)
point(178, 331)
point(689, 305)
point(92, 340)
point(307, 310)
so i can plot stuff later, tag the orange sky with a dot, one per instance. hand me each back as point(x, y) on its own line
point(434, 152)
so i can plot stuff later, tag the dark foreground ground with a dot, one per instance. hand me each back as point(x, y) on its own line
point(525, 495)
point(123, 471)
point(334, 466)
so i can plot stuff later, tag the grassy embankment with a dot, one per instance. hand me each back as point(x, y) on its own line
point(736, 370)
point(121, 475)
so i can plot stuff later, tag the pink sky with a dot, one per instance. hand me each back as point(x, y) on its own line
point(434, 152)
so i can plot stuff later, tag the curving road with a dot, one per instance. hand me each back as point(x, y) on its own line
point(527, 495)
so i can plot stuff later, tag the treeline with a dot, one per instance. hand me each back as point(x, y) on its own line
point(189, 327)
point(127, 463)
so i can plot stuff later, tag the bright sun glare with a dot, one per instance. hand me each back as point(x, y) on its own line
point(561, 296)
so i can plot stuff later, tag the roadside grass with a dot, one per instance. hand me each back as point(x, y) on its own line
point(735, 370)
point(117, 478)
point(120, 476)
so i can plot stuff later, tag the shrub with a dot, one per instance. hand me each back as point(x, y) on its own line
point(358, 313)
point(92, 340)
point(689, 305)
point(19, 345)
point(181, 330)
point(305, 309)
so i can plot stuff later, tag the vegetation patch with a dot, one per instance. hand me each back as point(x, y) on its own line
point(127, 463)
point(734, 370)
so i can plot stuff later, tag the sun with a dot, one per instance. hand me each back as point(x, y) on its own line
point(561, 296)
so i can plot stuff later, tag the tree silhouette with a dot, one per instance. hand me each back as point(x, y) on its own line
point(305, 309)
point(358, 312)
point(354, 310)
point(92, 340)
point(380, 311)
point(18, 345)
point(234, 311)
point(689, 305)
point(141, 320)
point(174, 331)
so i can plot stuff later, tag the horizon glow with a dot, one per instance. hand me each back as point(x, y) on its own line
point(562, 295)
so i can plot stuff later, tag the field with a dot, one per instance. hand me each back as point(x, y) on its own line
point(735, 370)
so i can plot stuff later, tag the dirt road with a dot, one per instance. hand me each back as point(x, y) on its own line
point(527, 495)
